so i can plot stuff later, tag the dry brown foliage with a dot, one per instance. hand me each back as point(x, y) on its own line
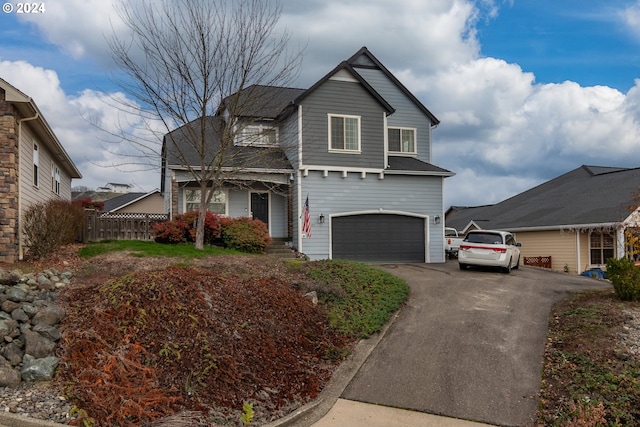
point(153, 343)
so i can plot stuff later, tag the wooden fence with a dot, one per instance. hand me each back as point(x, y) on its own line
point(538, 261)
point(99, 226)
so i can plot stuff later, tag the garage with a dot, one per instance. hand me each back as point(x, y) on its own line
point(378, 237)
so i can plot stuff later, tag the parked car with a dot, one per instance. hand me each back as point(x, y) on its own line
point(490, 248)
point(451, 242)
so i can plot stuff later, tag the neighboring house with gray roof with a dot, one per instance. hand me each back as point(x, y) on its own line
point(34, 167)
point(136, 203)
point(579, 218)
point(356, 145)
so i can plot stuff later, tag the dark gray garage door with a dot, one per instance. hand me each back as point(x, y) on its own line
point(378, 238)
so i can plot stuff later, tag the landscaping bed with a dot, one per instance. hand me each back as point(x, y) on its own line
point(591, 373)
point(169, 340)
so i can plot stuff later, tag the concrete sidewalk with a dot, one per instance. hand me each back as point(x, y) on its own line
point(357, 414)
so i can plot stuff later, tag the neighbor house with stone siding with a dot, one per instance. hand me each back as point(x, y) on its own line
point(34, 166)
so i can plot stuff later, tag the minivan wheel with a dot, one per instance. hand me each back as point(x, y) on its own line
point(507, 269)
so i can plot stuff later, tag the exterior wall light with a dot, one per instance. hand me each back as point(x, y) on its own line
point(321, 219)
point(436, 219)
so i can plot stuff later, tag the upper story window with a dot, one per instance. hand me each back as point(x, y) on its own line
point(217, 205)
point(36, 164)
point(55, 179)
point(258, 135)
point(344, 133)
point(402, 140)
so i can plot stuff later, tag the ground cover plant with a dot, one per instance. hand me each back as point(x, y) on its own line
point(590, 378)
point(151, 337)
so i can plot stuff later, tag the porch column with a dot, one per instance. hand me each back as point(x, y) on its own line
point(620, 247)
point(290, 210)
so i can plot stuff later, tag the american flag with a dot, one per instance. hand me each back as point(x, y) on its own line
point(306, 223)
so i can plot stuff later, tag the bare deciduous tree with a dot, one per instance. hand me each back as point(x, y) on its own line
point(188, 59)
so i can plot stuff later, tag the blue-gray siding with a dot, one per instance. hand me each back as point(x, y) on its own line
point(348, 98)
point(399, 193)
point(407, 113)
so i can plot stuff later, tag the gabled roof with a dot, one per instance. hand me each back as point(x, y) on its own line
point(124, 200)
point(27, 108)
point(346, 65)
point(586, 197)
point(358, 61)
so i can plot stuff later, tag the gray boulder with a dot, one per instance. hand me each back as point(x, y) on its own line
point(8, 278)
point(48, 315)
point(49, 332)
point(34, 369)
point(9, 377)
point(13, 353)
point(37, 345)
point(17, 294)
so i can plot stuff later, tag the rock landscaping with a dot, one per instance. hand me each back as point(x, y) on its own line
point(29, 319)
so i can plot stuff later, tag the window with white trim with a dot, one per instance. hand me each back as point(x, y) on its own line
point(401, 140)
point(344, 133)
point(55, 178)
point(258, 135)
point(217, 205)
point(36, 164)
point(601, 247)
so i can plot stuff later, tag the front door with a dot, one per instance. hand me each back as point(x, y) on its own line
point(260, 207)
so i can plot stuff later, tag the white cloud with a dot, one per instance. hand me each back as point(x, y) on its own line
point(78, 26)
point(631, 17)
point(410, 33)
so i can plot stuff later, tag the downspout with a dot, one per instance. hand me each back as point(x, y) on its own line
point(20, 237)
point(299, 179)
point(578, 251)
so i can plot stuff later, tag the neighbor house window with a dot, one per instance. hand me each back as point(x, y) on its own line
point(36, 164)
point(260, 135)
point(55, 179)
point(601, 247)
point(217, 205)
point(402, 140)
point(344, 133)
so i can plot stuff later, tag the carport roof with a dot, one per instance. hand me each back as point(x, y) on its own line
point(586, 197)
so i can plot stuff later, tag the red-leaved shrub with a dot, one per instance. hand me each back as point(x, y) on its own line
point(170, 231)
point(212, 226)
point(245, 234)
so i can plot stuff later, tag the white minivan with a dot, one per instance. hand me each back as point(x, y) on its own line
point(491, 248)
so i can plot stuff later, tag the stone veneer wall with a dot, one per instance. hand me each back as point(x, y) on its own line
point(9, 220)
point(174, 199)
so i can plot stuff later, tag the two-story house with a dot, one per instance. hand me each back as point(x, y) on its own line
point(34, 166)
point(344, 171)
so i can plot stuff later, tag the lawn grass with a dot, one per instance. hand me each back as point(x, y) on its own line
point(365, 298)
point(144, 248)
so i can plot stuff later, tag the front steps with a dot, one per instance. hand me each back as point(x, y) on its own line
point(279, 248)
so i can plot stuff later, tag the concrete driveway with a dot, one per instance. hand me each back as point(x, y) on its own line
point(468, 345)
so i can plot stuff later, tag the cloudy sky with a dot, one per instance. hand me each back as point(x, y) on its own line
point(525, 90)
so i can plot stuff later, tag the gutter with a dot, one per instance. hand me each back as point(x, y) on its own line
point(567, 227)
